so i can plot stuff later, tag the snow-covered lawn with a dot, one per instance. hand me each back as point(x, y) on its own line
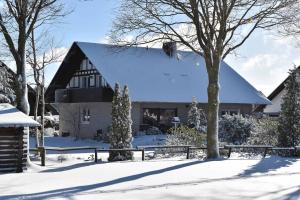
point(269, 178)
point(71, 142)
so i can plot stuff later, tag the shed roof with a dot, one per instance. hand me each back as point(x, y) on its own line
point(152, 76)
point(12, 117)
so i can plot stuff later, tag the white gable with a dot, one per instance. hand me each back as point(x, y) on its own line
point(152, 76)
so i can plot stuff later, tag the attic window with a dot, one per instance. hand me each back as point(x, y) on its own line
point(86, 65)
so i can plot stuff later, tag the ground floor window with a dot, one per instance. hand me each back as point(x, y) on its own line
point(159, 117)
point(85, 116)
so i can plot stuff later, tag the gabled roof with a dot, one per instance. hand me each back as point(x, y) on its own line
point(152, 76)
point(279, 88)
point(12, 117)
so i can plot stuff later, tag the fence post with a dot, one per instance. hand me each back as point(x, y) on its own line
point(229, 152)
point(188, 153)
point(96, 156)
point(143, 154)
point(42, 152)
point(266, 151)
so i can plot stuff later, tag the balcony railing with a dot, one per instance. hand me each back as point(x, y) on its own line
point(76, 95)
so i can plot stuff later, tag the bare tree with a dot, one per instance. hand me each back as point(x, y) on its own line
point(211, 28)
point(17, 20)
point(42, 53)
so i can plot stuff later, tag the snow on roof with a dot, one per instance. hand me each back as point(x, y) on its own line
point(152, 76)
point(12, 117)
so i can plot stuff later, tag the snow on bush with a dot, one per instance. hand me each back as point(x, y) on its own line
point(196, 117)
point(235, 129)
point(265, 132)
point(184, 135)
point(7, 85)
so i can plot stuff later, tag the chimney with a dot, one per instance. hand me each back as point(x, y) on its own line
point(170, 48)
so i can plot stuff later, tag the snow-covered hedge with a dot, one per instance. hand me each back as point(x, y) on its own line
point(183, 135)
point(235, 129)
point(265, 132)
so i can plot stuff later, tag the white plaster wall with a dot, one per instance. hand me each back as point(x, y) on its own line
point(276, 103)
point(100, 115)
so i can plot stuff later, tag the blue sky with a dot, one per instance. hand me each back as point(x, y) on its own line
point(264, 59)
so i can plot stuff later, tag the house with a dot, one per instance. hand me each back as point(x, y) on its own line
point(13, 139)
point(275, 97)
point(162, 84)
point(31, 92)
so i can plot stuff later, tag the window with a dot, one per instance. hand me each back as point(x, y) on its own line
point(84, 64)
point(159, 117)
point(71, 83)
point(84, 82)
point(76, 81)
point(92, 81)
point(98, 84)
point(85, 116)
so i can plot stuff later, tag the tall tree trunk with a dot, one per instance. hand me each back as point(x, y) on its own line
point(22, 99)
point(36, 108)
point(213, 108)
point(43, 108)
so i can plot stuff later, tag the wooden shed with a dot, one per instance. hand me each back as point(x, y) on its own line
point(13, 138)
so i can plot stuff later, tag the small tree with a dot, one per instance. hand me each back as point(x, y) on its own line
point(289, 120)
point(126, 123)
point(115, 137)
point(42, 53)
point(194, 115)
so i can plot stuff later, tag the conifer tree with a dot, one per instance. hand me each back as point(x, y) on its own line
point(126, 123)
point(289, 120)
point(115, 136)
point(121, 135)
point(194, 115)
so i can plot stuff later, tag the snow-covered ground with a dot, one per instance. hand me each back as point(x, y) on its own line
point(269, 178)
point(71, 142)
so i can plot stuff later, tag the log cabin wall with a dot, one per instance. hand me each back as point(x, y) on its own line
point(13, 150)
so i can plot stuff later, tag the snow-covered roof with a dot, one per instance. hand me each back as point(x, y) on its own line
point(12, 117)
point(152, 76)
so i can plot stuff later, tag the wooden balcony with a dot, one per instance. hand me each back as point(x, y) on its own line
point(77, 95)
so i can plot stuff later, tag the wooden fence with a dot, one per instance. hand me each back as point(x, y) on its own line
point(175, 148)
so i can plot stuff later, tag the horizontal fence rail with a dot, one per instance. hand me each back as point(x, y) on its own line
point(188, 149)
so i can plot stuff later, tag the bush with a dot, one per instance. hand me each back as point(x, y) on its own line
point(235, 129)
point(152, 130)
point(183, 135)
point(265, 132)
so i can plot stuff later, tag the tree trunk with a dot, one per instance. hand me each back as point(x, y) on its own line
point(36, 108)
point(22, 94)
point(213, 108)
point(43, 109)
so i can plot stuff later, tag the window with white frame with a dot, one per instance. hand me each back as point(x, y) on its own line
point(76, 81)
point(85, 116)
point(84, 64)
point(92, 82)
